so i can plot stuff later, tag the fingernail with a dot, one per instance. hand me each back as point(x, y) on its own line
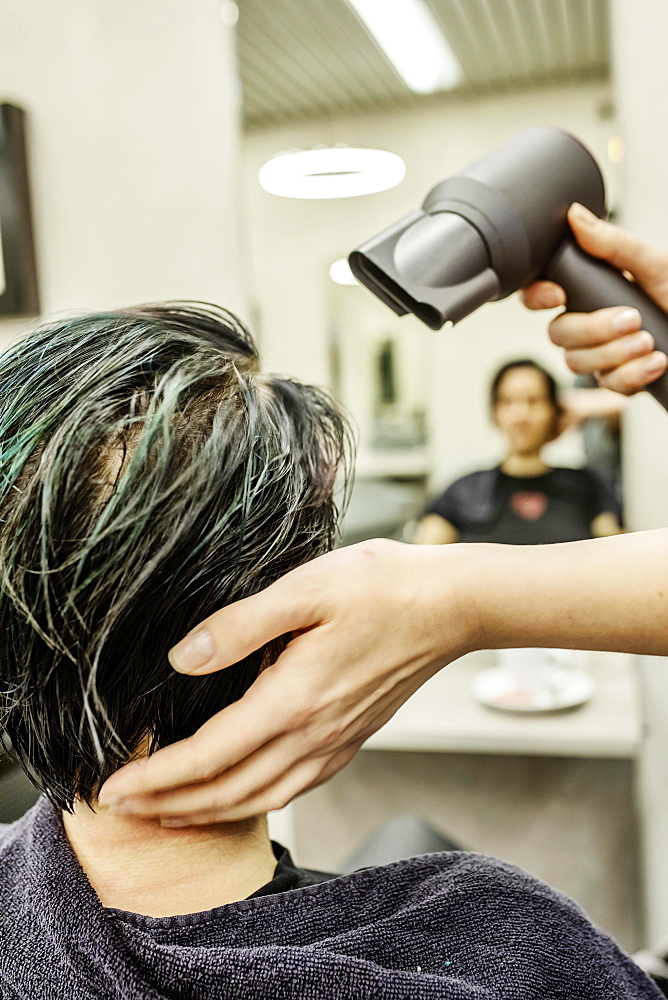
point(583, 215)
point(122, 807)
point(193, 652)
point(106, 801)
point(113, 791)
point(174, 821)
point(552, 298)
point(655, 365)
point(626, 321)
point(642, 342)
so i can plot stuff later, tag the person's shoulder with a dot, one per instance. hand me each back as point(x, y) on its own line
point(472, 484)
point(472, 890)
point(583, 479)
point(11, 838)
point(472, 881)
point(582, 473)
point(464, 870)
point(492, 908)
point(15, 846)
point(474, 478)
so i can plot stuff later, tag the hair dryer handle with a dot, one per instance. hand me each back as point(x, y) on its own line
point(594, 284)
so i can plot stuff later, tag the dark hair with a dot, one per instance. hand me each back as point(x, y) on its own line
point(149, 474)
point(550, 381)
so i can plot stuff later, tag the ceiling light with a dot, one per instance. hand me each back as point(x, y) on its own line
point(341, 274)
point(412, 40)
point(331, 172)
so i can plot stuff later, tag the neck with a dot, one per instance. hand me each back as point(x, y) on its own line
point(136, 865)
point(528, 463)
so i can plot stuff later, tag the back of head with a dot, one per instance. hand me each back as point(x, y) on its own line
point(149, 474)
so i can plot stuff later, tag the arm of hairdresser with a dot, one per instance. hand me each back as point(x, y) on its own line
point(372, 622)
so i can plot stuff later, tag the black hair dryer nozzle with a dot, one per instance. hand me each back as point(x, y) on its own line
point(495, 227)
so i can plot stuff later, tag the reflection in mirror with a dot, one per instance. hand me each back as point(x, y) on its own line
point(18, 272)
point(379, 373)
point(378, 365)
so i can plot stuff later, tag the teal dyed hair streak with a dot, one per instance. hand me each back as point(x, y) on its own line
point(149, 474)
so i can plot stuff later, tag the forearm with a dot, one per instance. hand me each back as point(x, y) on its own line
point(370, 623)
point(607, 593)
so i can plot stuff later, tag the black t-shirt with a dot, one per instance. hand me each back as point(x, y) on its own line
point(557, 506)
point(287, 876)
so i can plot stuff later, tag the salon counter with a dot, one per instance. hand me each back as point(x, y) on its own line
point(443, 716)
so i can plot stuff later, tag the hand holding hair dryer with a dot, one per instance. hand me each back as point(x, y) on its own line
point(496, 226)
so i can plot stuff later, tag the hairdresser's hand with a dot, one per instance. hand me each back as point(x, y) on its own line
point(608, 343)
point(370, 624)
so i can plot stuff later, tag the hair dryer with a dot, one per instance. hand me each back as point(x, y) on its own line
point(496, 226)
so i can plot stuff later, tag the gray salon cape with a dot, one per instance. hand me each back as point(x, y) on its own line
point(455, 925)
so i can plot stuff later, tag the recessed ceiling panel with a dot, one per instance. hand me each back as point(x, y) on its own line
point(309, 59)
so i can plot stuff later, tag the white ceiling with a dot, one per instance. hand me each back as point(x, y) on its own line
point(306, 59)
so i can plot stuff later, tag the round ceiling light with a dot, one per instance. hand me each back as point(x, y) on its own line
point(331, 172)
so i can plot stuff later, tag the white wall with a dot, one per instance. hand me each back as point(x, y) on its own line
point(292, 244)
point(133, 133)
point(640, 28)
point(640, 76)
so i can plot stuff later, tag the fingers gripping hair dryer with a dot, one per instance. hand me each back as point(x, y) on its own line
point(493, 228)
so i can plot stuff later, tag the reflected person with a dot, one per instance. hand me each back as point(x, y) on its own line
point(523, 501)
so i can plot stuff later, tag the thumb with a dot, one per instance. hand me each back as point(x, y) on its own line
point(624, 250)
point(234, 632)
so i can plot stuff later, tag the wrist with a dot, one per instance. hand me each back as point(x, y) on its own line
point(451, 590)
point(494, 589)
point(477, 570)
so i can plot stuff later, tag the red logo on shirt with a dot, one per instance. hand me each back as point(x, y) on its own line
point(529, 506)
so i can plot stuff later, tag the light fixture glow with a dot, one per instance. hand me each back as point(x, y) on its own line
point(331, 172)
point(616, 149)
point(412, 40)
point(229, 13)
point(341, 274)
